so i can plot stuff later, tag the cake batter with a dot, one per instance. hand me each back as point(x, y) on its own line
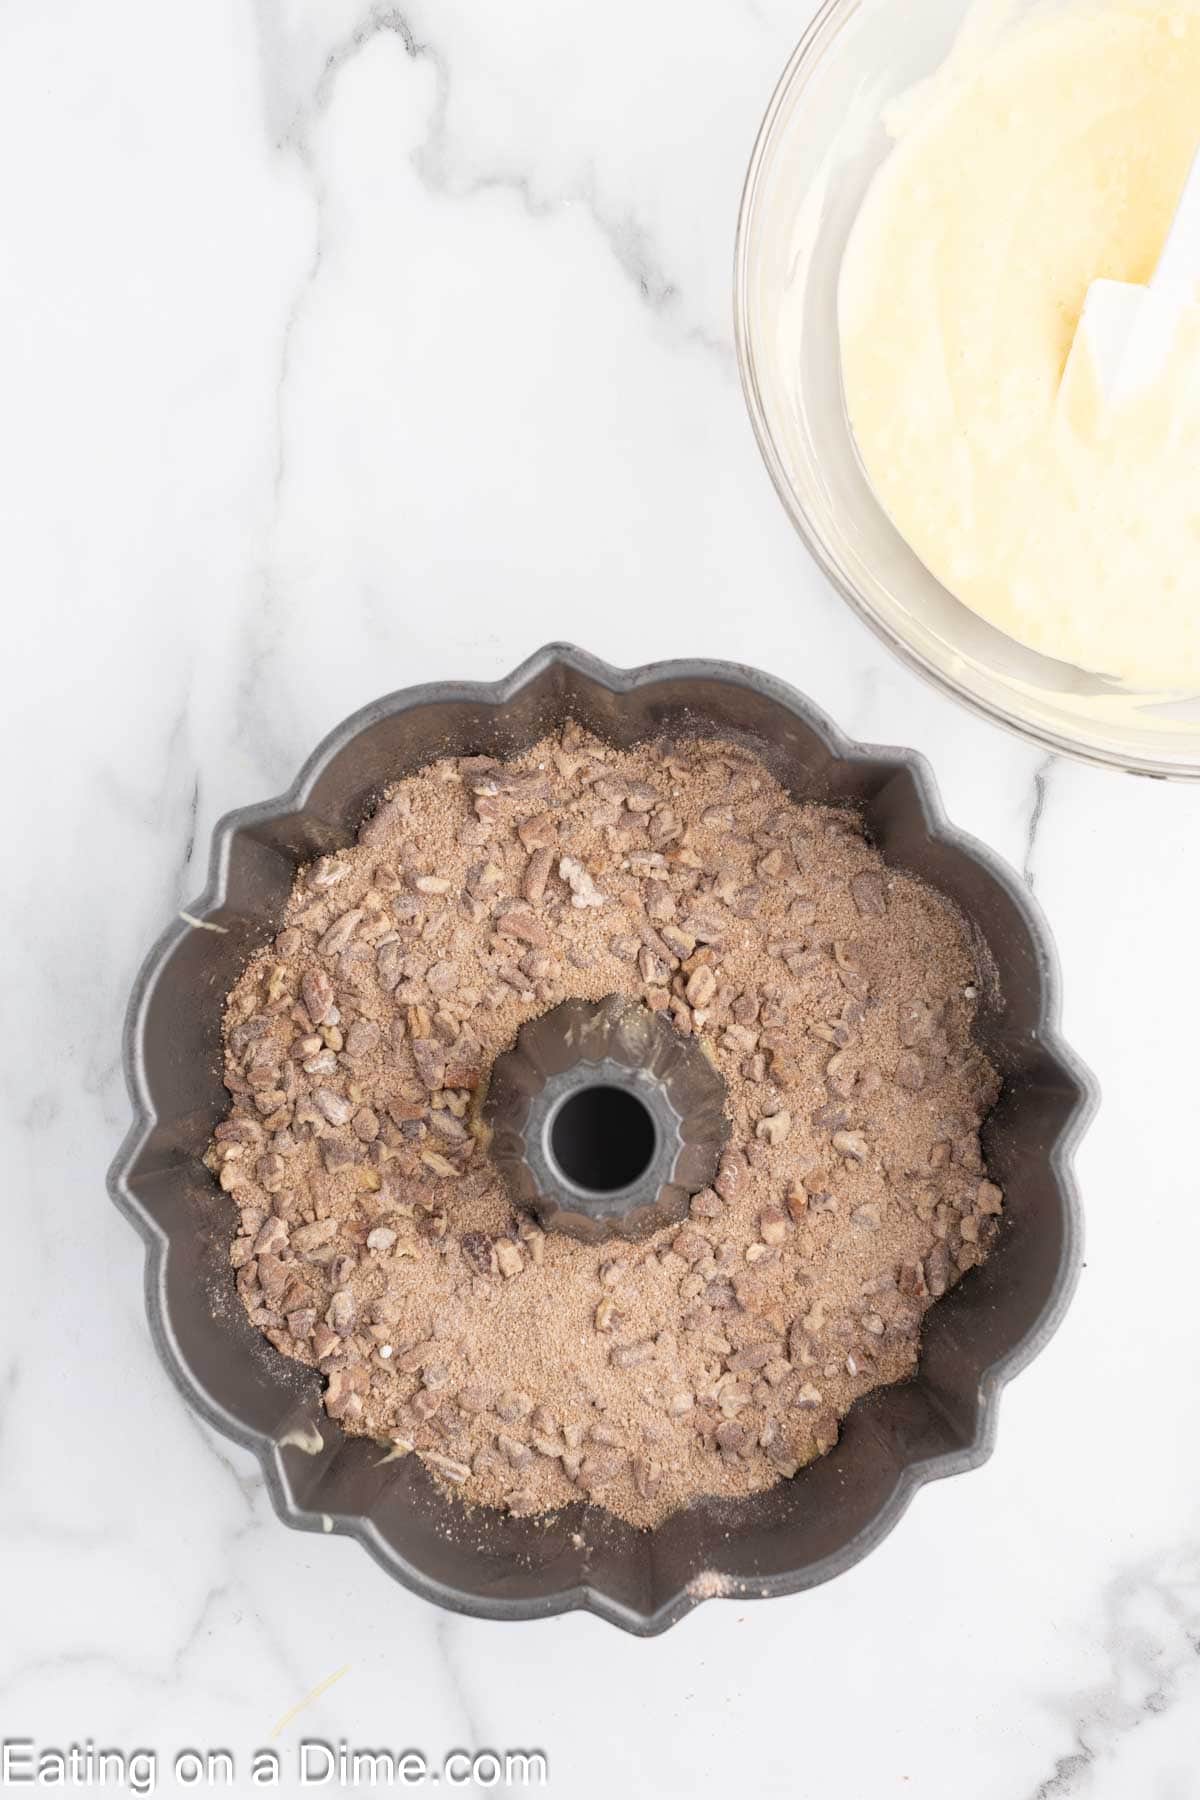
point(1045, 154)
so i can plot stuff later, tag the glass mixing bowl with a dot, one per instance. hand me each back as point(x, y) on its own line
point(819, 146)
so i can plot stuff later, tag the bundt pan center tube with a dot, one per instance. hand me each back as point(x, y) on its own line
point(604, 1120)
point(568, 1168)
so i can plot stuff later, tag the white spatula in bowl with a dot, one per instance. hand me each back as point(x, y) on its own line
point(1128, 330)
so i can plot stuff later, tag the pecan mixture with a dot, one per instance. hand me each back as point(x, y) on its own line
point(377, 1242)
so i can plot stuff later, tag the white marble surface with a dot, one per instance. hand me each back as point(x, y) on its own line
point(342, 348)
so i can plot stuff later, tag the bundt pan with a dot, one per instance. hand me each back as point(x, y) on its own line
point(800, 1532)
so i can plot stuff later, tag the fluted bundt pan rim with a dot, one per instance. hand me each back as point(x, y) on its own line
point(797, 1534)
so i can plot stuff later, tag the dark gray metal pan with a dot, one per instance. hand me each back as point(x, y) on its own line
point(801, 1532)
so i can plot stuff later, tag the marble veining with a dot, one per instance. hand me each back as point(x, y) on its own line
point(347, 347)
point(1151, 1637)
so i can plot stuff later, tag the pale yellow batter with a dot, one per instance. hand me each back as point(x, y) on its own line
point(1033, 164)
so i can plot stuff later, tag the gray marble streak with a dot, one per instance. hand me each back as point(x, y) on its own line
point(1151, 1638)
point(248, 1481)
point(171, 1673)
point(1041, 781)
point(446, 1636)
point(9, 1376)
point(268, 745)
point(628, 238)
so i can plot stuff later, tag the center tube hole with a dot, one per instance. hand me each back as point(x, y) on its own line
point(603, 1138)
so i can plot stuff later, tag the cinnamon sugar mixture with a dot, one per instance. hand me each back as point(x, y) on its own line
point(377, 1242)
